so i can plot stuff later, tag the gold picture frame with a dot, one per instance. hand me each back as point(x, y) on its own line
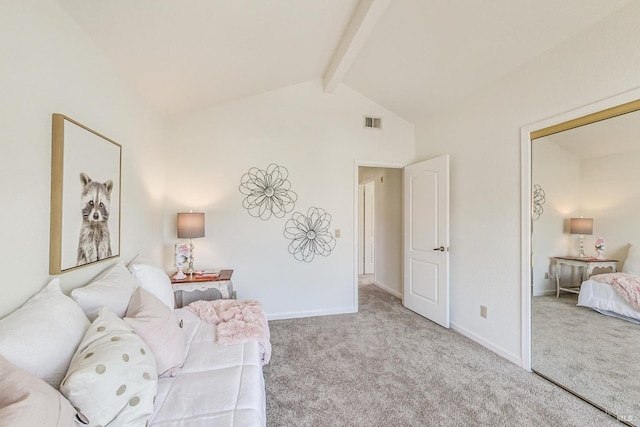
point(86, 171)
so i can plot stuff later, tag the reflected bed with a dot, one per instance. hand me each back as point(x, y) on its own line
point(603, 298)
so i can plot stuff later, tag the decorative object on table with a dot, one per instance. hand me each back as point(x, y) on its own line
point(581, 226)
point(190, 226)
point(310, 235)
point(600, 247)
point(538, 200)
point(206, 274)
point(182, 256)
point(85, 196)
point(268, 192)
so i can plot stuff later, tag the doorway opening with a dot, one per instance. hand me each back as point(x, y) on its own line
point(379, 219)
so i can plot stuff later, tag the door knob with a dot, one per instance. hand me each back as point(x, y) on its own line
point(441, 249)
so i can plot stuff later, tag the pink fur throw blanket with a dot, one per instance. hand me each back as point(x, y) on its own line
point(236, 321)
point(626, 285)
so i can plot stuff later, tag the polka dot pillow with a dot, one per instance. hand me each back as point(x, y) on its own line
point(112, 376)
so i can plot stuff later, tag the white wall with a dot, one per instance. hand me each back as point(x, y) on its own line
point(557, 171)
point(611, 196)
point(50, 66)
point(318, 137)
point(482, 136)
point(388, 226)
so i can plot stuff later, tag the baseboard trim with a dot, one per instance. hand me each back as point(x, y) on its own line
point(489, 345)
point(388, 289)
point(311, 313)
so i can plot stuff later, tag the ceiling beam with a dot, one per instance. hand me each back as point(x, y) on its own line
point(364, 20)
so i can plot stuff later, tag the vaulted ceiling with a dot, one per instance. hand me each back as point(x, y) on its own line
point(411, 56)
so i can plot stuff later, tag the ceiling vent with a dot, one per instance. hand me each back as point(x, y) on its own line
point(371, 122)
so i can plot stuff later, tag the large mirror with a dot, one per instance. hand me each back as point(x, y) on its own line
point(585, 320)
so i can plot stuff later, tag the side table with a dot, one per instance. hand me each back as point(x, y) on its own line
point(586, 264)
point(202, 283)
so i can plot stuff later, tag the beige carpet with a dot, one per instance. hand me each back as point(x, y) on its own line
point(594, 355)
point(366, 279)
point(387, 366)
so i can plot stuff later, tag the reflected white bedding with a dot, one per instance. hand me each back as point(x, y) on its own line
point(604, 299)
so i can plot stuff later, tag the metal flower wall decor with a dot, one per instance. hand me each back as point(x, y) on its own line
point(538, 200)
point(310, 234)
point(268, 192)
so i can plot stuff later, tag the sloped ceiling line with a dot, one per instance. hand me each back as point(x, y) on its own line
point(364, 20)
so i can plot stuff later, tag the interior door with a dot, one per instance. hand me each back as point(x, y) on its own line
point(369, 229)
point(426, 239)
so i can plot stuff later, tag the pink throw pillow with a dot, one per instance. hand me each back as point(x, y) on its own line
point(156, 324)
point(26, 400)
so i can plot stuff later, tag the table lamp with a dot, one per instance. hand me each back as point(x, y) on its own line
point(581, 226)
point(190, 226)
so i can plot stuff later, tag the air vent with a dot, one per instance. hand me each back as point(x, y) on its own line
point(371, 122)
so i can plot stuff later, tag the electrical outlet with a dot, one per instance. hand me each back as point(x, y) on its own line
point(337, 233)
point(483, 311)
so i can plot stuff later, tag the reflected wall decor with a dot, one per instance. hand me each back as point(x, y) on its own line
point(85, 196)
point(538, 200)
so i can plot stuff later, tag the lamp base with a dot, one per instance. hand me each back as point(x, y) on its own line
point(582, 255)
point(180, 274)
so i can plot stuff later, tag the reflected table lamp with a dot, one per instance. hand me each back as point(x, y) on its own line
point(190, 226)
point(581, 226)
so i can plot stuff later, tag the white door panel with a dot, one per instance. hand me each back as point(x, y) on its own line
point(423, 276)
point(426, 231)
point(424, 213)
point(369, 228)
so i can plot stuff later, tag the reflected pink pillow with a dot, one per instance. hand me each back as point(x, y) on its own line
point(156, 324)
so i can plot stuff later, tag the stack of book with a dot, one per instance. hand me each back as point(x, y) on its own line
point(207, 274)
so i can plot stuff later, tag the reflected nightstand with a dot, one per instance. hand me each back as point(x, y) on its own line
point(586, 264)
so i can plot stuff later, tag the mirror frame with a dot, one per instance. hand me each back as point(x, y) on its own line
point(601, 110)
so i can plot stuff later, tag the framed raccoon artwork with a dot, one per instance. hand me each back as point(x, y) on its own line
point(85, 196)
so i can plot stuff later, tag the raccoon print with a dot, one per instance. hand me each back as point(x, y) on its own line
point(95, 241)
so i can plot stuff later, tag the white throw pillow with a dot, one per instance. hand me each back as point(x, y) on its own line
point(42, 335)
point(112, 377)
point(632, 263)
point(26, 400)
point(153, 279)
point(158, 327)
point(112, 289)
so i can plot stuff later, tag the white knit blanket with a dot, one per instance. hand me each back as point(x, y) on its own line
point(236, 321)
point(626, 285)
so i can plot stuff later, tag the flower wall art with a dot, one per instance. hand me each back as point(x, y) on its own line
point(268, 194)
point(310, 234)
point(538, 200)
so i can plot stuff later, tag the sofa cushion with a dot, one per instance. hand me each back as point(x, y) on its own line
point(153, 279)
point(42, 335)
point(225, 383)
point(112, 289)
point(112, 376)
point(159, 328)
point(26, 400)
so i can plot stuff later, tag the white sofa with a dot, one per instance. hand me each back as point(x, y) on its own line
point(116, 372)
point(224, 385)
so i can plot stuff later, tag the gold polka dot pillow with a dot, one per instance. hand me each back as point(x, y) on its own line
point(112, 376)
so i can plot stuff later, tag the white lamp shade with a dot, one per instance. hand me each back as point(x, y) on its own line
point(581, 226)
point(190, 225)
